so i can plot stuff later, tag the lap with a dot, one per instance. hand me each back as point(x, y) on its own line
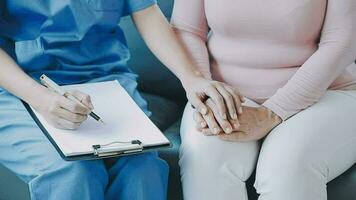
point(25, 150)
point(209, 150)
point(323, 135)
point(212, 168)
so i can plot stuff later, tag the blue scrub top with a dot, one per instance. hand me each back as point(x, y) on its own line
point(72, 41)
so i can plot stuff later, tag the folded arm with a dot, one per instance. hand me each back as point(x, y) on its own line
point(336, 51)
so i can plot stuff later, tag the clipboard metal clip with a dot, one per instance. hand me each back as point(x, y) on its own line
point(117, 148)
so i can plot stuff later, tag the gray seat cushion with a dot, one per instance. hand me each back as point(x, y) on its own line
point(344, 186)
point(11, 187)
point(164, 111)
point(166, 115)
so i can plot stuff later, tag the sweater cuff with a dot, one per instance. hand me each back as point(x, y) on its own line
point(278, 110)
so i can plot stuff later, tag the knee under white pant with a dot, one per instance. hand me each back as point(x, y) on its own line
point(296, 161)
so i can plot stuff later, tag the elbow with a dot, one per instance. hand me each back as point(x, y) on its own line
point(177, 30)
point(343, 48)
point(339, 45)
point(183, 32)
point(347, 46)
point(182, 28)
point(348, 43)
point(341, 40)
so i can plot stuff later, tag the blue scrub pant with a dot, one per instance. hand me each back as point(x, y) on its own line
point(27, 152)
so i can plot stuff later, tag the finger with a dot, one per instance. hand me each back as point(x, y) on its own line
point(229, 100)
point(238, 99)
point(224, 124)
point(83, 98)
point(198, 118)
point(73, 107)
point(198, 104)
point(242, 98)
point(212, 124)
point(218, 100)
point(235, 124)
point(65, 124)
point(206, 131)
point(72, 117)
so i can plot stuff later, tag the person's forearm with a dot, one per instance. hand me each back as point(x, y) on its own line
point(197, 49)
point(17, 82)
point(337, 50)
point(311, 81)
point(161, 39)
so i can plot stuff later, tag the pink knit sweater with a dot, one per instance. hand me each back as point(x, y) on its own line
point(283, 54)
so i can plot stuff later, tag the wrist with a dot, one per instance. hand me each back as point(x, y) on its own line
point(190, 77)
point(39, 95)
point(275, 119)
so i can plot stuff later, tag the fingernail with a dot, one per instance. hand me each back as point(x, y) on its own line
point(204, 111)
point(236, 125)
point(240, 110)
point(203, 124)
point(228, 130)
point(234, 116)
point(216, 131)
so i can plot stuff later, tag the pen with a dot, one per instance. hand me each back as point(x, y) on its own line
point(56, 88)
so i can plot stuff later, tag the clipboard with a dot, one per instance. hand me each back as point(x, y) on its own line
point(113, 148)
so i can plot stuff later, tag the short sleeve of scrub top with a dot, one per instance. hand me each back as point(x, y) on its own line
point(132, 6)
point(71, 41)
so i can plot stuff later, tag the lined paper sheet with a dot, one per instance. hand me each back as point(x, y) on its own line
point(124, 121)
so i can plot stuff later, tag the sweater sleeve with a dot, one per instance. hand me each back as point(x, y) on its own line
point(190, 24)
point(336, 51)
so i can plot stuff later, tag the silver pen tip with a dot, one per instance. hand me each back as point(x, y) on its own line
point(101, 121)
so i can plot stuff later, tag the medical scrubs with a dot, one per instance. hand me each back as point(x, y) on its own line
point(71, 41)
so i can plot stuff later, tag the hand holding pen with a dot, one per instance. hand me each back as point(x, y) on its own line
point(62, 109)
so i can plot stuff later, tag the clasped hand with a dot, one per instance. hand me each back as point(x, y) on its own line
point(253, 123)
point(219, 111)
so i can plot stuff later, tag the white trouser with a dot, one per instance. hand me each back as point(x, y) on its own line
point(295, 162)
